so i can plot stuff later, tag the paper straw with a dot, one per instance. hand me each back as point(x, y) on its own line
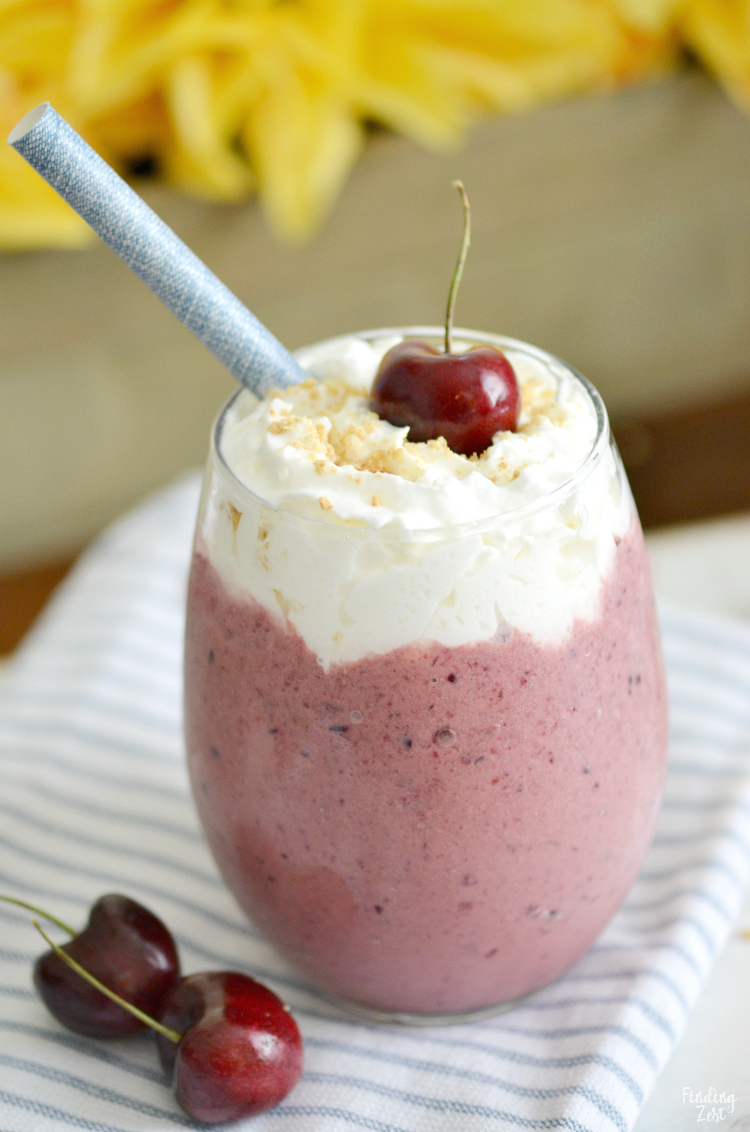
point(152, 250)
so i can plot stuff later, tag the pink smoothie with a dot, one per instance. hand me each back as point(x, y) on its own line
point(433, 830)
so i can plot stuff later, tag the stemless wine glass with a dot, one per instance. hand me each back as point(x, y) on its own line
point(436, 827)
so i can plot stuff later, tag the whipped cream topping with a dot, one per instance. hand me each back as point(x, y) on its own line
point(349, 531)
point(316, 450)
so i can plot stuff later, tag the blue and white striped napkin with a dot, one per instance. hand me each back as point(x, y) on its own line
point(94, 798)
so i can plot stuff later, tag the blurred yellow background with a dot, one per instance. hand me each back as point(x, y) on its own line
point(305, 149)
point(224, 96)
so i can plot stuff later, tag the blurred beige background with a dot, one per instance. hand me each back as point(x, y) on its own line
point(613, 230)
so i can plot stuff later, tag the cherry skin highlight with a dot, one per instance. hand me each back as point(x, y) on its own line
point(465, 398)
point(128, 949)
point(241, 1050)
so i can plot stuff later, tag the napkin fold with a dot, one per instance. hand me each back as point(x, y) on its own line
point(94, 798)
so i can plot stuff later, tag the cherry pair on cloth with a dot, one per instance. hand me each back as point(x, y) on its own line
point(230, 1044)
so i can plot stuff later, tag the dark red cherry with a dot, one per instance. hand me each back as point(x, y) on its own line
point(240, 1052)
point(232, 1046)
point(466, 398)
point(130, 951)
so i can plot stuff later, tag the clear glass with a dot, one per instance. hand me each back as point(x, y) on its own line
point(431, 832)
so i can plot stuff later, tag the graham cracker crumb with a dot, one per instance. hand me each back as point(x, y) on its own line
point(330, 423)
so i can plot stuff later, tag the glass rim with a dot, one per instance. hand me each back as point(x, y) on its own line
point(240, 490)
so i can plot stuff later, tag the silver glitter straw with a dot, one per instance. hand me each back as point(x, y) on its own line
point(152, 250)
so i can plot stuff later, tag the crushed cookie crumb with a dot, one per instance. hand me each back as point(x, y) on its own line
point(330, 424)
point(325, 504)
point(377, 501)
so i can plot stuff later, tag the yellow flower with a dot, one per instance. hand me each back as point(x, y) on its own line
point(719, 33)
point(227, 96)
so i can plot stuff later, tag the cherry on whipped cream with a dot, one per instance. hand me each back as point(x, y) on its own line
point(465, 398)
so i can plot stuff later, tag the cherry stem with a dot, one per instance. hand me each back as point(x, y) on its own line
point(459, 266)
point(40, 912)
point(173, 1035)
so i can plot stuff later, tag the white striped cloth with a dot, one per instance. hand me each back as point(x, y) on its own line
point(94, 798)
